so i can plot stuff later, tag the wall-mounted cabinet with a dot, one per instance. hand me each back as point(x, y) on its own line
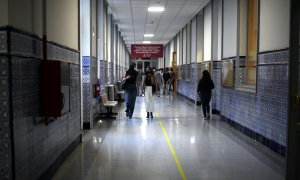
point(56, 89)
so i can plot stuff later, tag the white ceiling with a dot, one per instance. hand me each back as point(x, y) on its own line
point(134, 20)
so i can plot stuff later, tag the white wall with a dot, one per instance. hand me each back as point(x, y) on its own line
point(20, 14)
point(200, 38)
point(180, 48)
point(62, 22)
point(184, 45)
point(109, 37)
point(85, 28)
point(193, 40)
point(215, 28)
point(37, 17)
point(94, 28)
point(220, 31)
point(171, 51)
point(229, 28)
point(100, 31)
point(207, 32)
point(274, 25)
point(3, 12)
point(188, 43)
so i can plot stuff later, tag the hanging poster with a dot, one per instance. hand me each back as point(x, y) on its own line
point(146, 51)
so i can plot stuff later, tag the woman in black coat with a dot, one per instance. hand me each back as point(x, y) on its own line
point(205, 85)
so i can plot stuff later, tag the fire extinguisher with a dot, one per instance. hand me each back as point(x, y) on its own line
point(97, 89)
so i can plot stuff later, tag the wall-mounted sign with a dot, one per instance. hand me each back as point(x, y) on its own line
point(146, 51)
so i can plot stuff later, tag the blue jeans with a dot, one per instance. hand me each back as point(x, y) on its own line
point(205, 99)
point(130, 97)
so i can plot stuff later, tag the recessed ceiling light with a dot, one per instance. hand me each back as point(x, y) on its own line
point(148, 35)
point(156, 9)
point(146, 42)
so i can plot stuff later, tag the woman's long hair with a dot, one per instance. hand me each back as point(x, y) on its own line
point(131, 66)
point(205, 75)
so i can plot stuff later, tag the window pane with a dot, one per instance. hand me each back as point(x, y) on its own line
point(252, 41)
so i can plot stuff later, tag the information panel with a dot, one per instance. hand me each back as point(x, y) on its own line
point(146, 51)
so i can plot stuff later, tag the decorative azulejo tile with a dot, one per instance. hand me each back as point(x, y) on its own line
point(62, 53)
point(281, 57)
point(37, 145)
point(3, 42)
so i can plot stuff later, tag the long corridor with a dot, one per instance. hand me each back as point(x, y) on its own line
point(141, 149)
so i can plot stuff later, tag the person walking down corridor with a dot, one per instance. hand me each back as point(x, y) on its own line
point(205, 85)
point(158, 78)
point(131, 90)
point(166, 77)
point(149, 89)
point(172, 81)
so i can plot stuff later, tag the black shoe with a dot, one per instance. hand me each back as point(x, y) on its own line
point(147, 115)
point(151, 115)
point(130, 117)
point(208, 116)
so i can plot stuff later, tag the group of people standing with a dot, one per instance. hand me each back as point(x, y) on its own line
point(151, 85)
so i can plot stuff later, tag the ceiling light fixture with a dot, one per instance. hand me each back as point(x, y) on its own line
point(146, 42)
point(148, 35)
point(156, 9)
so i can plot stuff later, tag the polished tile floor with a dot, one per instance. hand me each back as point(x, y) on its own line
point(137, 148)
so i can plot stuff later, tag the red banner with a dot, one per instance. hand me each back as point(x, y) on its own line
point(146, 51)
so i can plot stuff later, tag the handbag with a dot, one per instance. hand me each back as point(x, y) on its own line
point(124, 84)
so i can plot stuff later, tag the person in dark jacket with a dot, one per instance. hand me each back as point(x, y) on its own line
point(205, 85)
point(166, 77)
point(131, 90)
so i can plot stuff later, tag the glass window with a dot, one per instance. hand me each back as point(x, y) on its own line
point(247, 54)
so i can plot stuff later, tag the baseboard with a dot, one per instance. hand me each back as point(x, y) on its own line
point(188, 99)
point(274, 146)
point(214, 111)
point(60, 159)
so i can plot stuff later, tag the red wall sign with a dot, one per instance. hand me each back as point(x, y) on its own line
point(146, 51)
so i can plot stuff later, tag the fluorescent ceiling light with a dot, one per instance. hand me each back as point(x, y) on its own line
point(146, 42)
point(148, 35)
point(156, 9)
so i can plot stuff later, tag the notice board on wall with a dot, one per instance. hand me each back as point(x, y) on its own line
point(146, 51)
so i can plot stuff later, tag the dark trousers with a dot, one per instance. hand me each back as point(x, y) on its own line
point(130, 97)
point(205, 99)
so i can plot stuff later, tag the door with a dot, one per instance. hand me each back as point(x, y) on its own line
point(293, 147)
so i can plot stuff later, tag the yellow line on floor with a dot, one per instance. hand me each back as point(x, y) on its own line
point(171, 148)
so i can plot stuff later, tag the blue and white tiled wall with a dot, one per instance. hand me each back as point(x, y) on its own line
point(190, 75)
point(36, 146)
point(262, 115)
point(89, 76)
point(5, 133)
point(217, 79)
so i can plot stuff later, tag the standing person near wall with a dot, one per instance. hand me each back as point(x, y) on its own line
point(205, 85)
point(131, 90)
point(166, 77)
point(139, 79)
point(149, 89)
point(158, 81)
point(172, 80)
